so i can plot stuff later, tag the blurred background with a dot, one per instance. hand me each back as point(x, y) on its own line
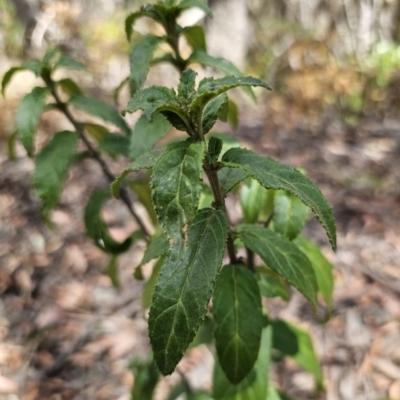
point(334, 66)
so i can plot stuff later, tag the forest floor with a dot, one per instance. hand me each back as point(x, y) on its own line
point(67, 333)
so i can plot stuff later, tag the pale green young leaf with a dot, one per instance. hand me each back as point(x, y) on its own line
point(283, 257)
point(252, 199)
point(143, 192)
point(302, 351)
point(140, 59)
point(11, 139)
point(195, 37)
point(206, 197)
point(274, 175)
point(322, 268)
point(69, 87)
point(220, 64)
point(290, 214)
point(185, 4)
point(112, 271)
point(96, 228)
point(98, 132)
point(272, 285)
point(69, 62)
point(255, 385)
point(28, 116)
point(238, 320)
point(176, 185)
point(212, 111)
point(187, 83)
point(51, 167)
point(209, 88)
point(233, 114)
point(114, 144)
point(100, 110)
point(146, 134)
point(145, 161)
point(150, 284)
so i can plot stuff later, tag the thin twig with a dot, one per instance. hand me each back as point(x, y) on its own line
point(79, 127)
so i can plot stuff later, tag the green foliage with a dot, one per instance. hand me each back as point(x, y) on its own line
point(188, 212)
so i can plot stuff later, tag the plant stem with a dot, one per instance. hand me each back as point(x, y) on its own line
point(94, 153)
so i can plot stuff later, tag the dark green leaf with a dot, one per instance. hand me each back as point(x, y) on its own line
point(274, 175)
point(69, 87)
point(297, 343)
point(220, 64)
point(195, 37)
point(228, 141)
point(33, 65)
point(29, 114)
point(97, 229)
point(112, 271)
point(186, 88)
point(7, 78)
point(184, 4)
point(322, 268)
point(146, 134)
point(239, 321)
point(96, 131)
point(150, 284)
point(209, 88)
point(142, 190)
point(184, 288)
point(51, 168)
point(68, 62)
point(130, 21)
point(115, 144)
point(145, 161)
point(229, 178)
point(146, 379)
point(252, 199)
point(101, 110)
point(271, 285)
point(176, 185)
point(254, 386)
point(49, 57)
point(214, 149)
point(140, 59)
point(290, 214)
point(283, 257)
point(212, 111)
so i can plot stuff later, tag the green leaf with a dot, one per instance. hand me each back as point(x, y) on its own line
point(147, 133)
point(322, 268)
point(205, 334)
point(252, 199)
point(145, 161)
point(96, 228)
point(176, 185)
point(158, 246)
point(209, 88)
point(229, 142)
point(185, 4)
point(51, 167)
point(184, 288)
point(69, 87)
point(96, 131)
point(115, 144)
point(302, 350)
point(206, 197)
point(273, 394)
point(11, 138)
point(283, 257)
point(146, 379)
point(150, 284)
point(28, 116)
point(214, 149)
point(220, 64)
point(112, 271)
point(69, 62)
point(33, 65)
point(290, 214)
point(49, 57)
point(229, 178)
point(271, 285)
point(239, 321)
point(195, 37)
point(143, 192)
point(274, 175)
point(212, 111)
point(187, 83)
point(254, 386)
point(130, 21)
point(7, 78)
point(100, 110)
point(233, 114)
point(140, 59)
point(198, 396)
